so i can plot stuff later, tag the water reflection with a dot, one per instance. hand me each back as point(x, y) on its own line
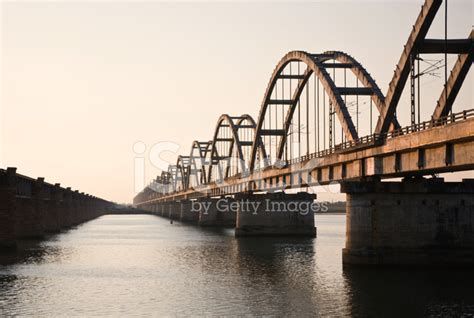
point(281, 269)
point(144, 265)
point(33, 251)
point(401, 293)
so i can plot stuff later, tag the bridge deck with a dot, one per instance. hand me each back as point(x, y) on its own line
point(424, 149)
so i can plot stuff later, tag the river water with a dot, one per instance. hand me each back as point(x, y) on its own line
point(143, 265)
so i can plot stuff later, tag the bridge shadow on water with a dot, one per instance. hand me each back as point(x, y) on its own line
point(410, 292)
point(37, 250)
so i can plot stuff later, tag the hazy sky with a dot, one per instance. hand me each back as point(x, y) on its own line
point(82, 82)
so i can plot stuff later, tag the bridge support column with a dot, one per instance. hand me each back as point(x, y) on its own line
point(416, 222)
point(164, 209)
point(8, 189)
point(31, 213)
point(187, 214)
point(212, 212)
point(156, 209)
point(53, 210)
point(77, 208)
point(91, 213)
point(84, 208)
point(67, 209)
point(174, 210)
point(275, 214)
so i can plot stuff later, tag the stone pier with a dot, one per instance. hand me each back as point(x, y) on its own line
point(276, 214)
point(186, 213)
point(53, 210)
point(164, 209)
point(30, 211)
point(8, 188)
point(174, 211)
point(416, 222)
point(212, 212)
point(76, 208)
point(158, 208)
point(67, 209)
point(153, 208)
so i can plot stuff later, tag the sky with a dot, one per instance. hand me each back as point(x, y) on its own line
point(82, 82)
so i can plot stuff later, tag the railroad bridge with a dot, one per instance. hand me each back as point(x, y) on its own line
point(324, 119)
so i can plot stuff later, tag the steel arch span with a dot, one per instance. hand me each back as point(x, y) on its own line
point(197, 170)
point(319, 66)
point(230, 148)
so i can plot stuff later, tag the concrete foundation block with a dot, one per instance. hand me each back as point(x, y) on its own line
point(8, 209)
point(276, 214)
point(174, 212)
point(31, 212)
point(51, 223)
point(164, 209)
point(419, 222)
point(212, 212)
point(76, 208)
point(158, 209)
point(187, 215)
point(53, 210)
point(67, 209)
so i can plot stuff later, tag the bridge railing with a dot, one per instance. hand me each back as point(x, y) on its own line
point(364, 141)
point(374, 138)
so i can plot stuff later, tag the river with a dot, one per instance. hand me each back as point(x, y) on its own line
point(143, 265)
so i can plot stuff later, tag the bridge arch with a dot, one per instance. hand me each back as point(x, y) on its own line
point(172, 175)
point(230, 148)
point(318, 66)
point(182, 172)
point(197, 162)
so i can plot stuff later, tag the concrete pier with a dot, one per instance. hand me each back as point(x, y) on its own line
point(53, 210)
point(275, 214)
point(154, 208)
point(8, 187)
point(186, 213)
point(77, 208)
point(418, 222)
point(30, 210)
point(164, 209)
point(159, 208)
point(213, 213)
point(174, 210)
point(67, 209)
